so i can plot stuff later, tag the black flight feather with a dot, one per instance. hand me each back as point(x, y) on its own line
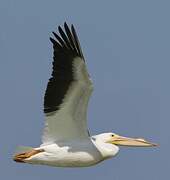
point(66, 49)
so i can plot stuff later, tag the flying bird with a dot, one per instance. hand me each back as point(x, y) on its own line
point(66, 141)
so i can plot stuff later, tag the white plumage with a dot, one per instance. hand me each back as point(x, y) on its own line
point(74, 153)
point(66, 141)
point(71, 116)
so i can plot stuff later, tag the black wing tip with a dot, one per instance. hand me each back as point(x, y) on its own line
point(59, 28)
point(73, 29)
point(66, 49)
point(77, 41)
point(52, 40)
point(54, 33)
point(63, 39)
point(66, 27)
point(65, 24)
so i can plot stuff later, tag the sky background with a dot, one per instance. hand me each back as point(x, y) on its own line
point(127, 48)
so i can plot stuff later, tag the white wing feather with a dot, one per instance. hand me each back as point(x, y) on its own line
point(69, 122)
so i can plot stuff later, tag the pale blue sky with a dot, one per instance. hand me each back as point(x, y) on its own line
point(127, 49)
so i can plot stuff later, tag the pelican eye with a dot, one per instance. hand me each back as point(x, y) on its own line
point(112, 135)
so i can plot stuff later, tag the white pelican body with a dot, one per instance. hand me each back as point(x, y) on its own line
point(80, 153)
point(66, 141)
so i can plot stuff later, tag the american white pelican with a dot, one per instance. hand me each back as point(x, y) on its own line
point(66, 141)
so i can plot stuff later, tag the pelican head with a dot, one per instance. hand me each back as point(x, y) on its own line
point(107, 143)
point(116, 139)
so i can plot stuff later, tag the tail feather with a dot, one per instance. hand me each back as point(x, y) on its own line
point(25, 152)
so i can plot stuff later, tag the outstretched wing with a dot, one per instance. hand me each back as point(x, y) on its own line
point(68, 90)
